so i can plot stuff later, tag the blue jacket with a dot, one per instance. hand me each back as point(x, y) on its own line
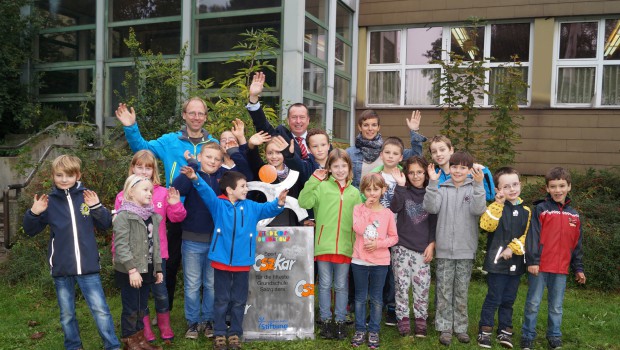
point(489, 186)
point(169, 148)
point(356, 155)
point(72, 248)
point(234, 239)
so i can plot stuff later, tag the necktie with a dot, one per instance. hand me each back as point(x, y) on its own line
point(304, 151)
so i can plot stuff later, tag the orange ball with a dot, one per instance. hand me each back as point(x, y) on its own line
point(268, 173)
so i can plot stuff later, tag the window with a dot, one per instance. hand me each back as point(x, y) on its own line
point(587, 64)
point(401, 71)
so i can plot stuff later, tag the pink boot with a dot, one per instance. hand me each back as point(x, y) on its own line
point(148, 332)
point(163, 322)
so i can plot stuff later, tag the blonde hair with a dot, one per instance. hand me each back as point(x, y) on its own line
point(68, 164)
point(195, 98)
point(131, 181)
point(338, 153)
point(215, 146)
point(146, 158)
point(372, 180)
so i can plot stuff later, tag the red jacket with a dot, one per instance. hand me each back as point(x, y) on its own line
point(554, 239)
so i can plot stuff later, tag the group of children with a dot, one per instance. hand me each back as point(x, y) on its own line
point(404, 214)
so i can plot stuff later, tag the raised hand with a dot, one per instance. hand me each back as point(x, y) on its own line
point(258, 139)
point(256, 88)
point(40, 204)
point(127, 117)
point(188, 155)
point(321, 174)
point(174, 196)
point(282, 197)
point(499, 197)
point(399, 176)
point(189, 172)
point(414, 122)
point(90, 198)
point(280, 144)
point(432, 174)
point(238, 130)
point(477, 175)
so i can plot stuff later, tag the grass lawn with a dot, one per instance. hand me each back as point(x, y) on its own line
point(591, 321)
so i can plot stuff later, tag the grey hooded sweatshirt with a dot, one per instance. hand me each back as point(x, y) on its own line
point(459, 210)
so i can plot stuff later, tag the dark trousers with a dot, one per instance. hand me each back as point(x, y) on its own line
point(389, 291)
point(231, 295)
point(173, 232)
point(135, 302)
point(501, 295)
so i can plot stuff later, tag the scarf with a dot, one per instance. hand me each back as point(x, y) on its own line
point(370, 148)
point(283, 174)
point(143, 212)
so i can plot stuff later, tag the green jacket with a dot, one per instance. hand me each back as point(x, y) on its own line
point(131, 243)
point(333, 212)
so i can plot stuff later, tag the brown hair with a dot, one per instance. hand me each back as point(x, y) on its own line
point(393, 141)
point(298, 104)
point(372, 180)
point(146, 158)
point(439, 138)
point(230, 179)
point(557, 173)
point(419, 161)
point(69, 165)
point(507, 170)
point(215, 146)
point(314, 132)
point(462, 158)
point(338, 153)
point(368, 114)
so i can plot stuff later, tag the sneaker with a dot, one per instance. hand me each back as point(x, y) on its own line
point(359, 338)
point(404, 328)
point(527, 344)
point(208, 329)
point(445, 338)
point(192, 331)
point(505, 338)
point(340, 330)
point(420, 328)
point(463, 337)
point(219, 343)
point(555, 342)
point(390, 318)
point(327, 330)
point(373, 340)
point(484, 337)
point(234, 342)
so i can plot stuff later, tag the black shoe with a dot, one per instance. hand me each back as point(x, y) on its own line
point(484, 337)
point(327, 329)
point(527, 344)
point(555, 342)
point(340, 330)
point(504, 338)
point(390, 318)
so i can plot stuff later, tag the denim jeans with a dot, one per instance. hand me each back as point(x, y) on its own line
point(197, 273)
point(336, 273)
point(135, 302)
point(91, 288)
point(369, 281)
point(501, 295)
point(556, 284)
point(231, 295)
point(160, 293)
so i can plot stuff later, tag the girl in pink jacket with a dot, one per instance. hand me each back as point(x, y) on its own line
point(167, 203)
point(375, 232)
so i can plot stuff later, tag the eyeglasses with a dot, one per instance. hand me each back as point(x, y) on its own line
point(507, 187)
point(194, 114)
point(416, 173)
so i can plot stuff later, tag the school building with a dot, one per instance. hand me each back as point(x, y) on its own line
point(343, 56)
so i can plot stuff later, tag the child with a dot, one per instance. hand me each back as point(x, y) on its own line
point(556, 226)
point(166, 203)
point(441, 150)
point(73, 212)
point(375, 232)
point(332, 197)
point(197, 235)
point(318, 146)
point(507, 221)
point(235, 226)
point(459, 202)
point(137, 261)
point(412, 255)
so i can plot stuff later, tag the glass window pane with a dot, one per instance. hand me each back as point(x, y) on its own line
point(341, 124)
point(575, 85)
point(221, 71)
point(65, 110)
point(497, 76)
point(315, 40)
point(162, 38)
point(611, 85)
point(317, 113)
point(385, 47)
point(421, 87)
point(66, 13)
point(67, 46)
point(467, 42)
point(612, 39)
point(342, 90)
point(74, 81)
point(423, 45)
point(384, 88)
point(343, 56)
point(125, 10)
point(117, 92)
point(204, 6)
point(221, 34)
point(318, 8)
point(510, 39)
point(314, 78)
point(578, 40)
point(343, 22)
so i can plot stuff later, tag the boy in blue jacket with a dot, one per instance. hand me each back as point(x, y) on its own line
point(232, 248)
point(72, 212)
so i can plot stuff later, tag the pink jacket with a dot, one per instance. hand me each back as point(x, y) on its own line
point(386, 230)
point(174, 213)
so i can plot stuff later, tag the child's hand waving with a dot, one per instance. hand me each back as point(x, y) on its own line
point(432, 174)
point(258, 139)
point(174, 196)
point(238, 130)
point(320, 174)
point(400, 178)
point(477, 174)
point(280, 143)
point(282, 197)
point(90, 198)
point(189, 172)
point(40, 204)
point(499, 197)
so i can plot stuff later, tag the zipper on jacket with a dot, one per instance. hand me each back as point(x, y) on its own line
point(251, 244)
point(76, 245)
point(232, 246)
point(217, 235)
point(241, 208)
point(320, 234)
point(339, 214)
